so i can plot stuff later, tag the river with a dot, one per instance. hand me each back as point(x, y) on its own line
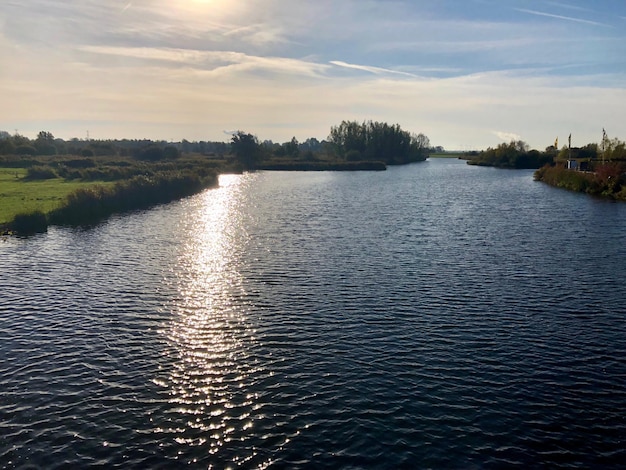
point(436, 315)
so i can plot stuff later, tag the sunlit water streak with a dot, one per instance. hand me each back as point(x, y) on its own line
point(431, 316)
point(213, 374)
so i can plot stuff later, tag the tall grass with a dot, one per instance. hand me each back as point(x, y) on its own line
point(88, 205)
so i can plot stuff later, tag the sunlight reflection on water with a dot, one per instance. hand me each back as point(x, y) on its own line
point(210, 335)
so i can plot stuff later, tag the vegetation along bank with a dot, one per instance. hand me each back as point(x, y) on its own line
point(52, 181)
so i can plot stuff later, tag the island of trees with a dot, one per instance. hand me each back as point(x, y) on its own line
point(48, 180)
point(515, 154)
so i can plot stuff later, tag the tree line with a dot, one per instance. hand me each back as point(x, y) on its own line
point(142, 149)
point(349, 142)
point(517, 154)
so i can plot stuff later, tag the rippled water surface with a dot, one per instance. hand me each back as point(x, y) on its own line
point(432, 316)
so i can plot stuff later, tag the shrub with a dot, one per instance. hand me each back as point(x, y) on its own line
point(151, 153)
point(33, 222)
point(25, 150)
point(606, 182)
point(80, 163)
point(171, 152)
point(45, 148)
point(353, 156)
point(40, 173)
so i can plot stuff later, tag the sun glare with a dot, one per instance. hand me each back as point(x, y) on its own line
point(205, 7)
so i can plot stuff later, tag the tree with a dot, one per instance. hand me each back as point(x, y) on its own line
point(311, 144)
point(25, 150)
point(291, 147)
point(151, 153)
point(44, 144)
point(615, 150)
point(515, 154)
point(171, 152)
point(246, 149)
point(45, 136)
point(6, 147)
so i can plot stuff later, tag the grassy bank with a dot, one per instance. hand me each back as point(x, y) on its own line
point(37, 192)
point(607, 181)
point(88, 205)
point(19, 195)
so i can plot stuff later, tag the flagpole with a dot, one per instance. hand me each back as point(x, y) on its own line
point(569, 146)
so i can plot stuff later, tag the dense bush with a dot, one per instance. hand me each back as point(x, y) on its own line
point(512, 155)
point(150, 153)
point(80, 163)
point(607, 181)
point(29, 223)
point(45, 148)
point(353, 156)
point(15, 161)
point(171, 152)
point(25, 150)
point(40, 173)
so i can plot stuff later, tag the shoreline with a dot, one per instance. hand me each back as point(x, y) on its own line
point(96, 203)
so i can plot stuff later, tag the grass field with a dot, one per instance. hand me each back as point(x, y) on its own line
point(18, 195)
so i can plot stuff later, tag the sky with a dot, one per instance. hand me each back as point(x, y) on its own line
point(469, 74)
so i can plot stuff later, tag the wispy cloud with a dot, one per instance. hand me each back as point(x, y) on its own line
point(371, 69)
point(568, 6)
point(507, 136)
point(561, 17)
point(212, 61)
point(259, 34)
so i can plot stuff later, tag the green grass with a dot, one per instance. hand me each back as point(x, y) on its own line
point(18, 196)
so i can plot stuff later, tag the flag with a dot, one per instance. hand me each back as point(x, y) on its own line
point(569, 141)
point(556, 143)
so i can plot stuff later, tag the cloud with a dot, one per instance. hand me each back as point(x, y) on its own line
point(561, 17)
point(159, 101)
point(259, 34)
point(507, 136)
point(371, 69)
point(217, 62)
point(568, 6)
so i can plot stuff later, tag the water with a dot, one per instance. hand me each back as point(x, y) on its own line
point(435, 315)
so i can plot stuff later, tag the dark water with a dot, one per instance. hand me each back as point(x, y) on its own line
point(431, 316)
